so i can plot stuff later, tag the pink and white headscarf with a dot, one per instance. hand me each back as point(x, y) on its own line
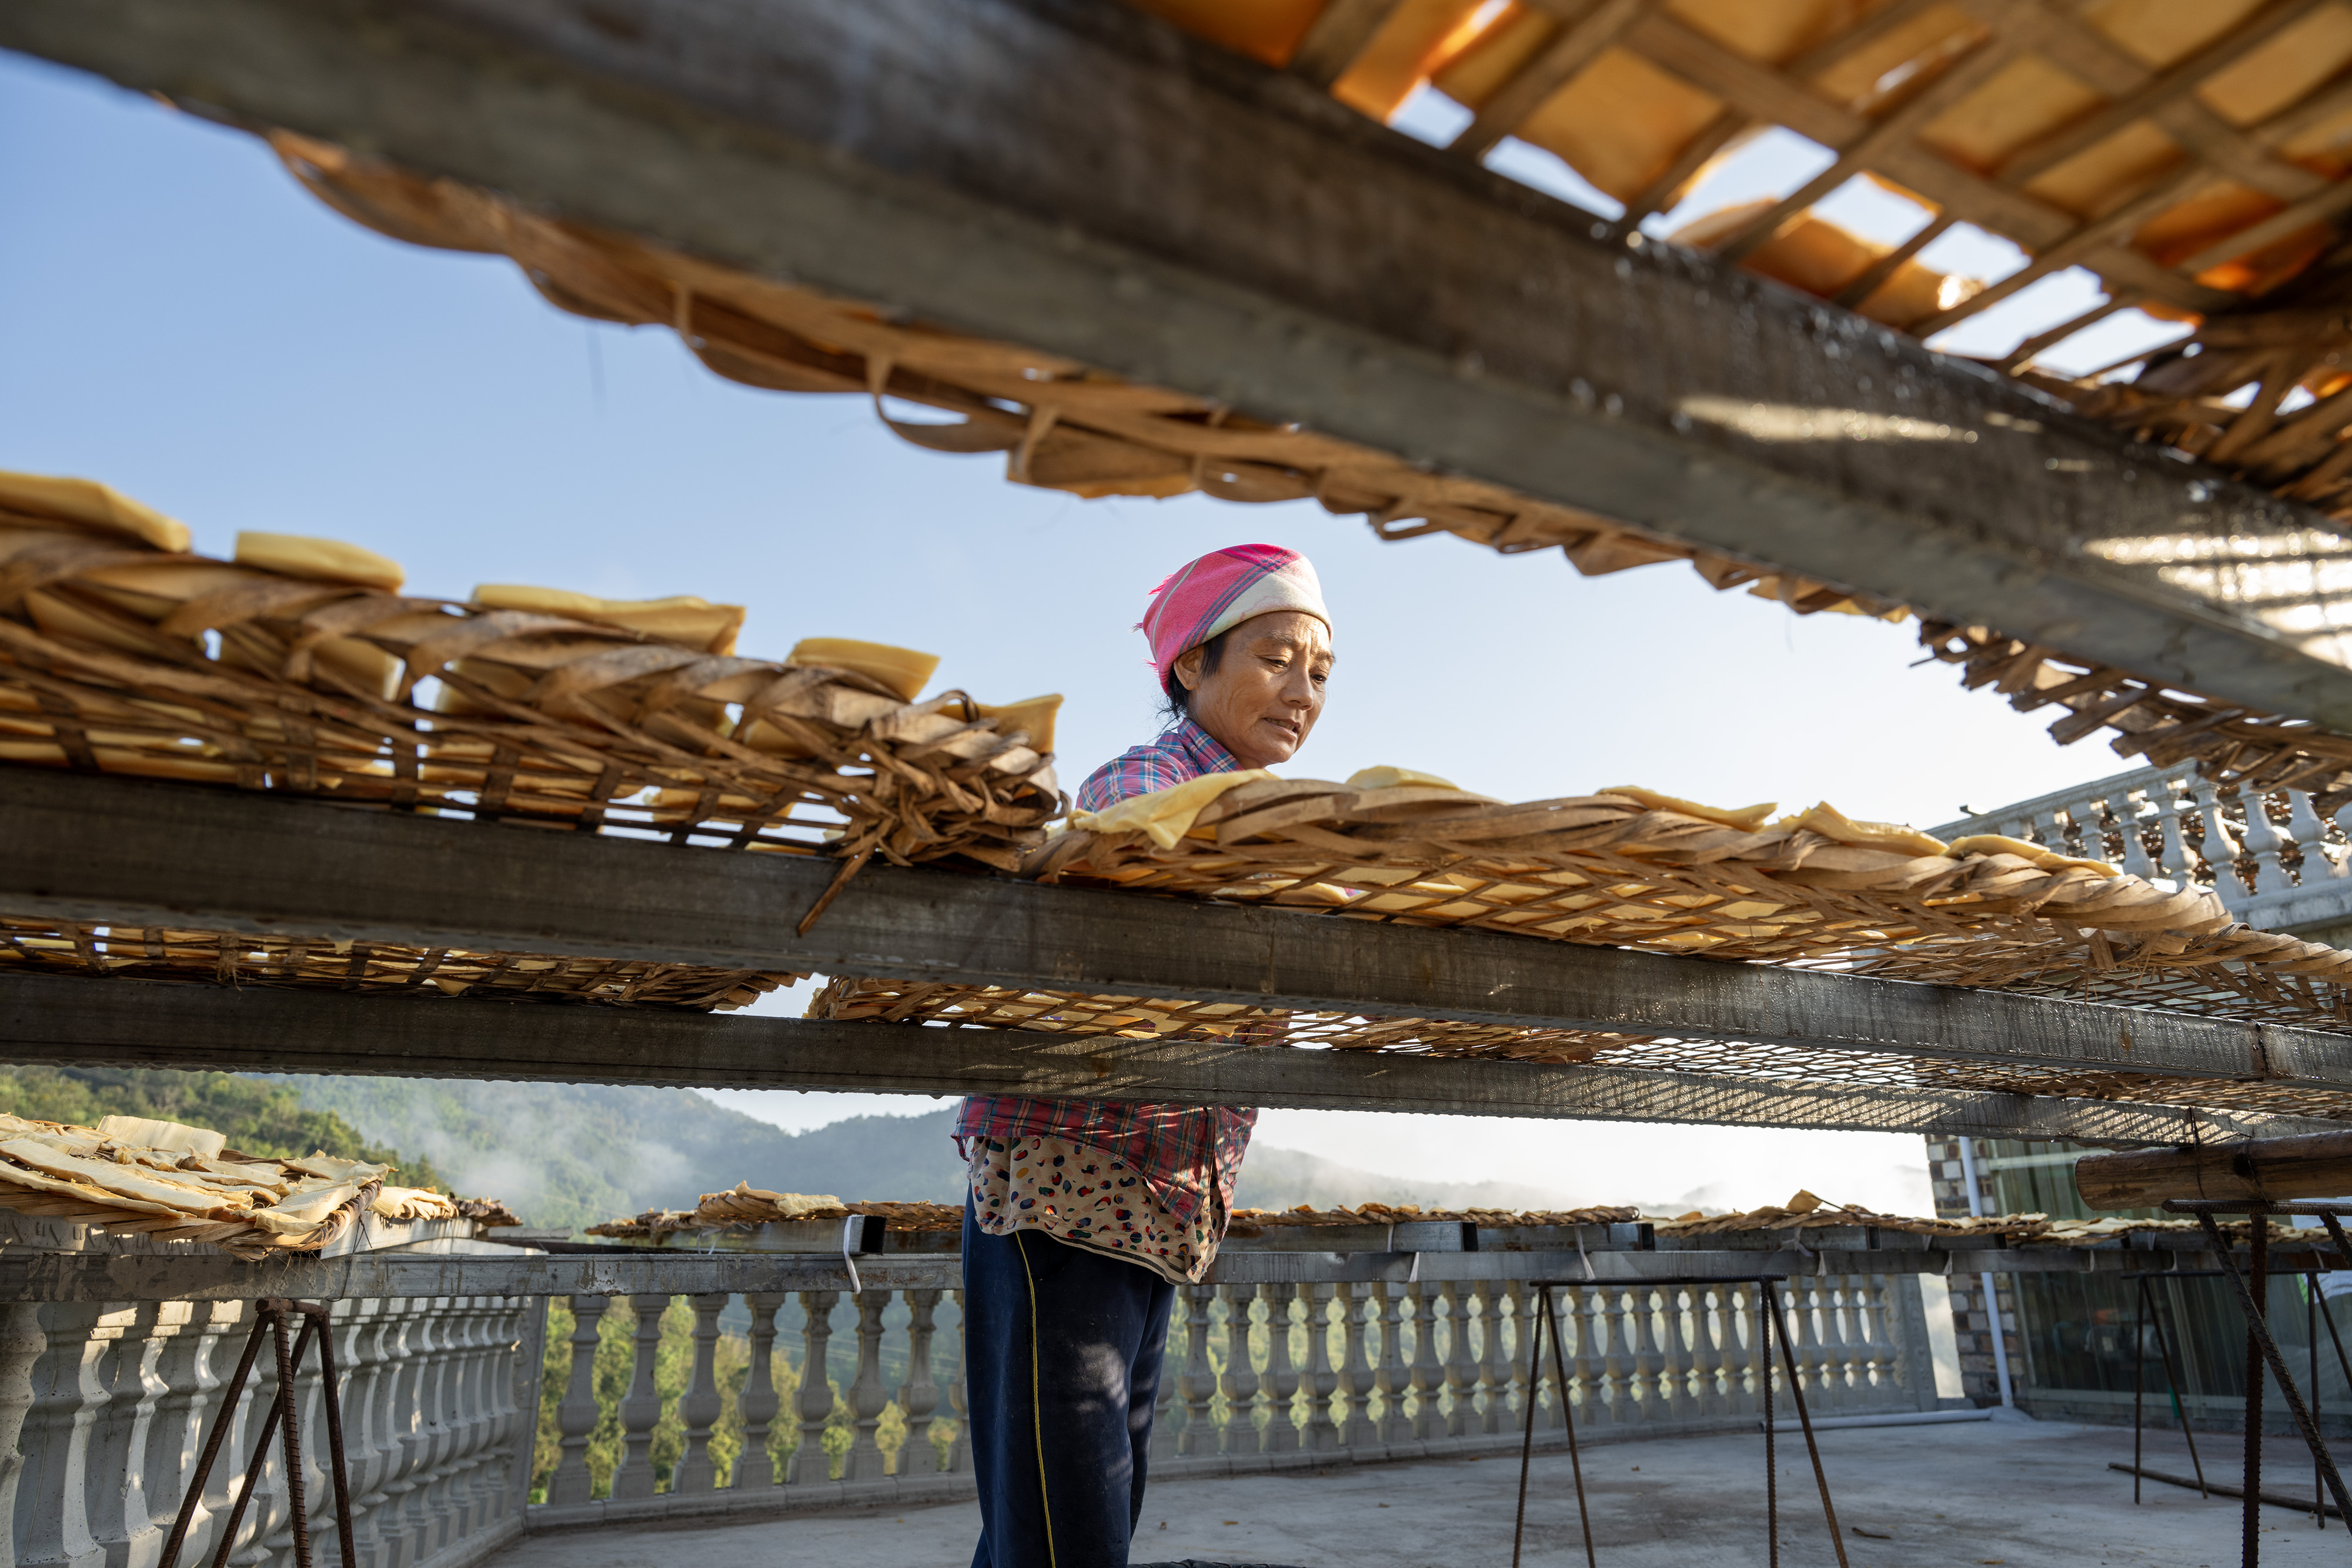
point(1221, 590)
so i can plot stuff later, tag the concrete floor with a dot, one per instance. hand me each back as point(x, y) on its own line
point(2025, 1495)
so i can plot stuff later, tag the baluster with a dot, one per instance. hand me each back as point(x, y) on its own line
point(864, 1462)
point(21, 1345)
point(1618, 1358)
point(69, 1389)
point(1861, 1349)
point(429, 1436)
point(2319, 860)
point(2263, 842)
point(1649, 1361)
point(1681, 1363)
point(1493, 1379)
point(1240, 1381)
point(359, 1355)
point(1812, 1355)
point(1353, 1409)
point(699, 1408)
point(507, 1345)
point(641, 1407)
point(1428, 1379)
point(1588, 1362)
point(458, 1497)
point(1706, 1355)
point(918, 1396)
point(1764, 1370)
point(122, 1515)
point(1281, 1435)
point(377, 1537)
point(959, 1452)
point(174, 1434)
point(1199, 1387)
point(2131, 819)
point(1837, 1344)
point(2220, 850)
point(1885, 1342)
point(1461, 1372)
point(754, 1465)
point(1389, 1378)
point(1520, 1389)
point(2180, 866)
point(807, 1467)
point(1322, 1379)
point(576, 1414)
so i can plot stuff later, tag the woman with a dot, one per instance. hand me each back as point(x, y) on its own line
point(1083, 1214)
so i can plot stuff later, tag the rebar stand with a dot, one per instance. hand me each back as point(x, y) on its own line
point(2262, 1348)
point(270, 1319)
point(1770, 1326)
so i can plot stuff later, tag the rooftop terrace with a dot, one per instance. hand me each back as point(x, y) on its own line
point(2019, 1493)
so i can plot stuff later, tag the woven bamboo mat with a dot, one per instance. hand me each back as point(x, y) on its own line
point(189, 1187)
point(981, 1007)
point(1611, 870)
point(747, 1208)
point(117, 656)
point(1065, 427)
point(219, 957)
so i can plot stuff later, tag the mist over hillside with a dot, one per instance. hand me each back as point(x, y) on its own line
point(576, 1153)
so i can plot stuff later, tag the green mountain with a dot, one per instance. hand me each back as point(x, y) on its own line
point(257, 1117)
point(578, 1154)
point(575, 1153)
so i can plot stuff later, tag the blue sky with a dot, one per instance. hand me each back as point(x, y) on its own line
point(182, 321)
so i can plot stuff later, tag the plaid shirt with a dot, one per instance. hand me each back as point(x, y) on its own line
point(1183, 1151)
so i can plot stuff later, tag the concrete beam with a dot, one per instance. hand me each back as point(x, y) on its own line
point(1080, 178)
point(63, 1021)
point(136, 852)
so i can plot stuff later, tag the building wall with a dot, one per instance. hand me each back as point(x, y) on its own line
point(1972, 1315)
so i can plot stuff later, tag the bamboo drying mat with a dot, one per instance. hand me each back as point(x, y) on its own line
point(88, 1176)
point(219, 957)
point(1606, 869)
point(748, 1207)
point(1065, 427)
point(1055, 1012)
point(311, 686)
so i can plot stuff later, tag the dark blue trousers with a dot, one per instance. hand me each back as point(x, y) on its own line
point(1062, 1353)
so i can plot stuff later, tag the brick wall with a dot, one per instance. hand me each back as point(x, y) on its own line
point(1972, 1316)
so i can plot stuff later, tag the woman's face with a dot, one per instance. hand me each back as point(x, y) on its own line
point(1266, 691)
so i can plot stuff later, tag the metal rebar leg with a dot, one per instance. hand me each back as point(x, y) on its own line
point(1805, 1420)
point(1772, 1471)
point(2311, 1338)
point(1527, 1443)
point(2139, 1361)
point(273, 1320)
point(339, 1472)
point(221, 1423)
point(1568, 1413)
point(2277, 1364)
point(2179, 1411)
point(289, 1431)
point(2256, 1305)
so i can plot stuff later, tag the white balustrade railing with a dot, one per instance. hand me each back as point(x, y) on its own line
point(1255, 1376)
point(440, 1399)
point(2274, 860)
point(115, 1403)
